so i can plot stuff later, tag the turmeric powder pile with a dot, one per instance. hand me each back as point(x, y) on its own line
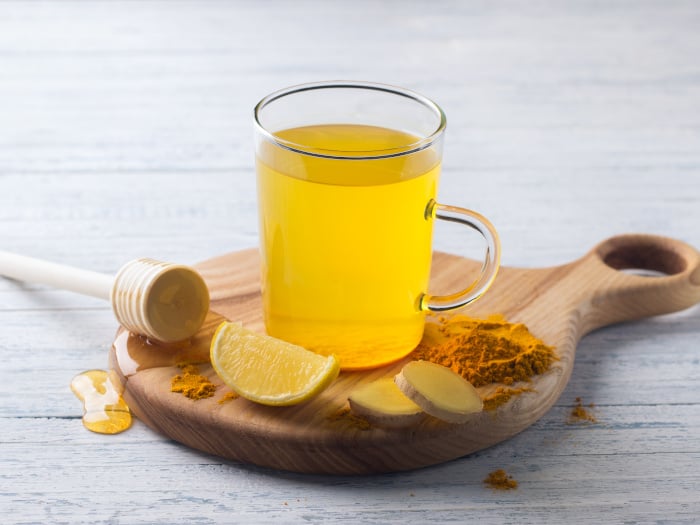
point(499, 480)
point(485, 351)
point(191, 383)
point(579, 413)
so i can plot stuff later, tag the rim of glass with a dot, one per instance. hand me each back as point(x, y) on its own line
point(408, 149)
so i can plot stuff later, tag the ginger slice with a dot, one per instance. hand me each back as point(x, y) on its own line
point(439, 391)
point(382, 403)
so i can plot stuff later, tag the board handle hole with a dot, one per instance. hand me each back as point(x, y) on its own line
point(648, 260)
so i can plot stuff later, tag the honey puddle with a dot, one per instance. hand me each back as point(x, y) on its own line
point(134, 352)
point(104, 409)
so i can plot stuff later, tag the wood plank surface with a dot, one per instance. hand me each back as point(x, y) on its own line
point(125, 131)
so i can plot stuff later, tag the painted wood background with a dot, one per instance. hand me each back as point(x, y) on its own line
point(125, 131)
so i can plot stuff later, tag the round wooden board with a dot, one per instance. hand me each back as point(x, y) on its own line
point(559, 305)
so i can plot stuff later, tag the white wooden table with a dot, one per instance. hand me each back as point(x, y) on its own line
point(125, 131)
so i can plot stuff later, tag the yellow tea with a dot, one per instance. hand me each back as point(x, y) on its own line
point(345, 240)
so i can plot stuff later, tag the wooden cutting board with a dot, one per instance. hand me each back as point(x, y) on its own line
point(559, 305)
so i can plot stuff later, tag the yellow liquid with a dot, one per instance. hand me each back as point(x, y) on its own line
point(104, 410)
point(345, 243)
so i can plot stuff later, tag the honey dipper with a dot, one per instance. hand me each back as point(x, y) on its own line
point(162, 301)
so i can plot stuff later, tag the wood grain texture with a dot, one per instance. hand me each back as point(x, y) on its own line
point(568, 123)
point(559, 305)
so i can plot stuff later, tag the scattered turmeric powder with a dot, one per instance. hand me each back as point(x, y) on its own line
point(228, 396)
point(499, 480)
point(188, 368)
point(191, 383)
point(485, 351)
point(501, 396)
point(579, 413)
point(345, 415)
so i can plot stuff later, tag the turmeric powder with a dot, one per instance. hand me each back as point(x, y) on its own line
point(485, 351)
point(228, 396)
point(344, 415)
point(579, 413)
point(499, 480)
point(191, 383)
point(501, 396)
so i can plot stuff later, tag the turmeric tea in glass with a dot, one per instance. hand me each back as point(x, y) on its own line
point(347, 177)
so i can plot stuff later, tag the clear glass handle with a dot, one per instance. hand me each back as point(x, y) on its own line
point(492, 260)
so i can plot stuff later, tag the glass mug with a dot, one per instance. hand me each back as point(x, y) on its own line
point(347, 176)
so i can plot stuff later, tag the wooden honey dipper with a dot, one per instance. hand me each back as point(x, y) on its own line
point(162, 301)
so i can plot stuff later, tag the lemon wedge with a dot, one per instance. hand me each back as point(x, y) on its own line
point(268, 370)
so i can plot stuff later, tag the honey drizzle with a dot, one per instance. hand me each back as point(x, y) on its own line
point(134, 352)
point(104, 409)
